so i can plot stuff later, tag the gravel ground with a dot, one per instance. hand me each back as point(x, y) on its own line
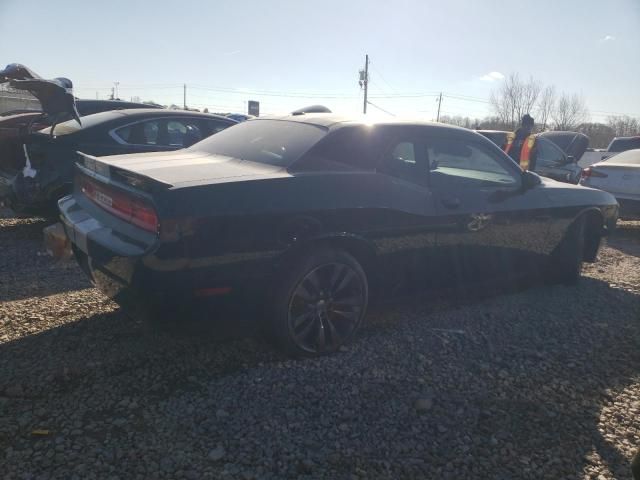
point(542, 383)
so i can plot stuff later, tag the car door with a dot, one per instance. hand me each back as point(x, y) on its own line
point(488, 223)
point(405, 236)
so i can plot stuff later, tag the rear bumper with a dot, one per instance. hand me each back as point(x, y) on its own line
point(138, 275)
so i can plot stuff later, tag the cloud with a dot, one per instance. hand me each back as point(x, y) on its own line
point(492, 77)
point(607, 38)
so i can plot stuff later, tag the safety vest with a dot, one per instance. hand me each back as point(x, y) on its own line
point(525, 153)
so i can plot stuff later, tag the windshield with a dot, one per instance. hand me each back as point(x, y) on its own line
point(623, 144)
point(274, 142)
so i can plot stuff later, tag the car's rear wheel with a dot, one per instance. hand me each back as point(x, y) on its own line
point(320, 304)
point(565, 263)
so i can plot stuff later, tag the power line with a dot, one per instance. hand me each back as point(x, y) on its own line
point(382, 77)
point(380, 108)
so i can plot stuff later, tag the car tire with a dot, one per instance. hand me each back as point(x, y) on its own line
point(565, 263)
point(320, 303)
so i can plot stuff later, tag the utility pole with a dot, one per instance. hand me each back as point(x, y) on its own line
point(184, 96)
point(439, 103)
point(116, 89)
point(364, 81)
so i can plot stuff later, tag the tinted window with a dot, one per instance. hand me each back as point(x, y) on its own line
point(631, 157)
point(401, 161)
point(548, 153)
point(142, 133)
point(347, 148)
point(273, 142)
point(216, 126)
point(624, 144)
point(404, 152)
point(183, 132)
point(455, 160)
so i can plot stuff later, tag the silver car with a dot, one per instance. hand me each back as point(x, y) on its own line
point(620, 176)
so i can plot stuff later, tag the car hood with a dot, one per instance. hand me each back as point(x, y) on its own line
point(568, 194)
point(184, 168)
point(55, 96)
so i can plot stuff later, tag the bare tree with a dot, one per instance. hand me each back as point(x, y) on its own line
point(599, 134)
point(546, 106)
point(514, 98)
point(569, 112)
point(460, 121)
point(624, 125)
point(493, 123)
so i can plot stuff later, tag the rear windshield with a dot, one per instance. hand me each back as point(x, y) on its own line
point(274, 142)
point(631, 157)
point(624, 144)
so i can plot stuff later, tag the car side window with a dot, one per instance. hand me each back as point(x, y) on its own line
point(142, 133)
point(547, 154)
point(215, 127)
point(401, 161)
point(183, 133)
point(404, 152)
point(453, 161)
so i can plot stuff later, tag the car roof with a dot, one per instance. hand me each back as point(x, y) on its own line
point(163, 112)
point(330, 120)
point(100, 117)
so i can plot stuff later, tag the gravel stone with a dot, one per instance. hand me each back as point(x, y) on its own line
point(217, 454)
point(497, 383)
point(423, 405)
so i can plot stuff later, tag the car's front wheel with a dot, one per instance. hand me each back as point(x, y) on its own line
point(320, 303)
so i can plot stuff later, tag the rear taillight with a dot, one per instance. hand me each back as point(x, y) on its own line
point(121, 204)
point(591, 172)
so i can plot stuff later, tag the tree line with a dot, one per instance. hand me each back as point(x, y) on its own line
point(550, 109)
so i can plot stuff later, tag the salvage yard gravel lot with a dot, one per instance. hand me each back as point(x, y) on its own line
point(535, 383)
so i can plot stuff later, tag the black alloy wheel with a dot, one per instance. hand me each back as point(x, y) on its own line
point(325, 304)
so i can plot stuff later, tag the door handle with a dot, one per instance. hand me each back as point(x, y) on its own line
point(451, 202)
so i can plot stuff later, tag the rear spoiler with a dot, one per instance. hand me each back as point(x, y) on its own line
point(99, 166)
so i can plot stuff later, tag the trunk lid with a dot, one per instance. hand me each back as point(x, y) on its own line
point(181, 168)
point(55, 96)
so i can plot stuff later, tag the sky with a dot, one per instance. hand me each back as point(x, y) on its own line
point(291, 53)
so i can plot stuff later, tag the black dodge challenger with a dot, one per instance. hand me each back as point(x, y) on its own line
point(310, 216)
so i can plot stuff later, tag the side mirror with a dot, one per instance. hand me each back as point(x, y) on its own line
point(530, 180)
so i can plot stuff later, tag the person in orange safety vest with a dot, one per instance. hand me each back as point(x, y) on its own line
point(521, 144)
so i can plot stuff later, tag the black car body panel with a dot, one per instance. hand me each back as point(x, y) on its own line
point(44, 173)
point(228, 227)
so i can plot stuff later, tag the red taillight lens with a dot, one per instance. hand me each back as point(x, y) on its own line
point(121, 204)
point(591, 172)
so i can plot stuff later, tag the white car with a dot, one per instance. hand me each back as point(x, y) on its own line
point(620, 176)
